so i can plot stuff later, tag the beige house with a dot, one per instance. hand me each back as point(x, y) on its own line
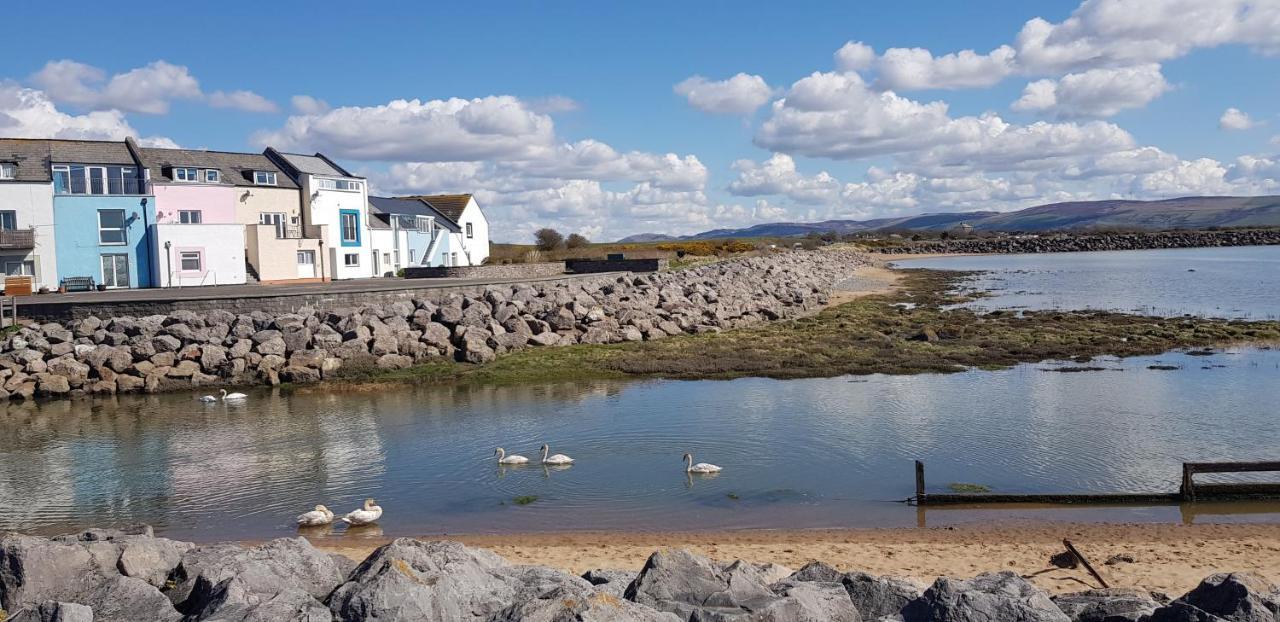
point(278, 247)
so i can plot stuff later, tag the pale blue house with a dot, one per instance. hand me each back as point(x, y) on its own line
point(103, 210)
point(421, 233)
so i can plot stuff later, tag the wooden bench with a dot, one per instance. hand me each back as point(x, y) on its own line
point(78, 284)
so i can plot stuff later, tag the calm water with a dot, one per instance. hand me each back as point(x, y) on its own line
point(833, 452)
point(1238, 282)
point(797, 453)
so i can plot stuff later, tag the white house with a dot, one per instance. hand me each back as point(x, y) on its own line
point(26, 212)
point(335, 208)
point(462, 237)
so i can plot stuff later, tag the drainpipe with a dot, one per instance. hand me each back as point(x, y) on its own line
point(168, 261)
point(151, 251)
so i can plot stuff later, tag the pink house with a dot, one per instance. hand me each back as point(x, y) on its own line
point(198, 240)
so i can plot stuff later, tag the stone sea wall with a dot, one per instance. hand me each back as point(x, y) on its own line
point(110, 576)
point(1068, 243)
point(184, 349)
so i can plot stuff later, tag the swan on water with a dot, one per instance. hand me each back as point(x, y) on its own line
point(503, 458)
point(371, 512)
point(319, 516)
point(556, 459)
point(232, 396)
point(701, 467)
point(208, 398)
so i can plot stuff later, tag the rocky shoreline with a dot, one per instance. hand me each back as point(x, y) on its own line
point(182, 350)
point(1072, 243)
point(131, 575)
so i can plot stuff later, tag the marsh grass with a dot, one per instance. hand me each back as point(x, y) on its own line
point(873, 334)
point(525, 499)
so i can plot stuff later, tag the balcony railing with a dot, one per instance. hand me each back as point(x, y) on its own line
point(17, 238)
point(102, 186)
point(289, 233)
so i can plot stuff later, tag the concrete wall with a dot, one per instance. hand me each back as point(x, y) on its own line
point(34, 206)
point(79, 251)
point(275, 259)
point(499, 271)
point(584, 266)
point(221, 248)
point(217, 204)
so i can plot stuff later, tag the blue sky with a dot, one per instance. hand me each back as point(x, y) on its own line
point(592, 117)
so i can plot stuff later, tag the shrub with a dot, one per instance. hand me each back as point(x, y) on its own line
point(576, 241)
point(547, 239)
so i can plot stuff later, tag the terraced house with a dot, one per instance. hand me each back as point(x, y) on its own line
point(26, 212)
point(461, 233)
point(334, 208)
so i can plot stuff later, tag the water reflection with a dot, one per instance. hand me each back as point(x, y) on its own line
point(797, 453)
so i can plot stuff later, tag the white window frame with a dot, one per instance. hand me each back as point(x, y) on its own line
point(124, 228)
point(8, 171)
point(183, 256)
point(351, 260)
point(342, 227)
point(184, 217)
point(212, 176)
point(424, 223)
point(26, 267)
point(8, 214)
point(264, 178)
point(346, 185)
point(186, 174)
point(412, 253)
point(471, 233)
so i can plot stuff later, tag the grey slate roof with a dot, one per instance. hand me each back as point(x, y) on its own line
point(411, 206)
point(314, 165)
point(89, 152)
point(237, 168)
point(30, 156)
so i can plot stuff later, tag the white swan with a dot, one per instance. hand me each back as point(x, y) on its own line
point(556, 459)
point(503, 458)
point(701, 467)
point(319, 516)
point(371, 512)
point(232, 396)
point(208, 398)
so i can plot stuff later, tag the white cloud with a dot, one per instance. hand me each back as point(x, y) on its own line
point(855, 56)
point(1234, 119)
point(917, 68)
point(29, 113)
point(740, 95)
point(1096, 92)
point(306, 104)
point(147, 90)
point(247, 101)
point(778, 176)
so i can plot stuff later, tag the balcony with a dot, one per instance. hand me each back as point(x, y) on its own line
point(17, 239)
point(63, 185)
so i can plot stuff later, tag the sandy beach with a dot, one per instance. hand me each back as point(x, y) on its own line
point(1166, 557)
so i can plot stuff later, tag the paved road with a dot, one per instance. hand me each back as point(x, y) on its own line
point(217, 292)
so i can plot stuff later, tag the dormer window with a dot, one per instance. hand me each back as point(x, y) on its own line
point(212, 176)
point(337, 184)
point(264, 178)
point(8, 170)
point(186, 174)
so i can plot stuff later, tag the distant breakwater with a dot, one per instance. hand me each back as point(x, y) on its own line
point(1074, 243)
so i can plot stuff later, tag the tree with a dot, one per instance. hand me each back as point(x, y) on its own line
point(547, 239)
point(576, 241)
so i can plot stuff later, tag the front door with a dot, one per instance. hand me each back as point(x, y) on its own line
point(97, 180)
point(115, 271)
point(306, 264)
point(377, 266)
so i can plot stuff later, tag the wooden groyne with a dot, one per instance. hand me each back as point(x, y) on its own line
point(1188, 492)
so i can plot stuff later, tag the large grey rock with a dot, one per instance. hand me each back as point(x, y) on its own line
point(125, 599)
point(569, 605)
point(876, 597)
point(233, 600)
point(34, 570)
point(610, 580)
point(268, 569)
point(689, 585)
point(54, 611)
point(988, 597)
point(1233, 597)
point(1107, 605)
point(150, 559)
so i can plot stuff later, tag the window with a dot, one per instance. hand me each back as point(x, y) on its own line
point(424, 223)
point(397, 264)
point(20, 268)
point(264, 178)
point(190, 261)
point(273, 218)
point(470, 233)
point(61, 179)
point(186, 174)
point(8, 170)
point(190, 217)
point(350, 228)
point(351, 259)
point(8, 220)
point(386, 258)
point(212, 176)
point(337, 184)
point(412, 254)
point(111, 227)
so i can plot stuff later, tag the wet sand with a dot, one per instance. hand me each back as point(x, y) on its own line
point(1167, 557)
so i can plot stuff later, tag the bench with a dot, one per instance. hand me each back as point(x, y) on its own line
point(78, 284)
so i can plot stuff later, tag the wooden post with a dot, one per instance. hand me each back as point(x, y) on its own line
point(1087, 565)
point(919, 481)
point(1188, 483)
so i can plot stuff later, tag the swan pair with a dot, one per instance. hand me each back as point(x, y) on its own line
point(226, 397)
point(503, 458)
point(368, 513)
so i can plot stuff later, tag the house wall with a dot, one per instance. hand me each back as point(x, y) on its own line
point(322, 207)
point(416, 244)
point(217, 203)
point(276, 259)
point(221, 247)
point(79, 251)
point(252, 201)
point(34, 206)
point(383, 243)
point(478, 244)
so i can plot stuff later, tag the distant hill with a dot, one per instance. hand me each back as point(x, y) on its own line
point(1180, 213)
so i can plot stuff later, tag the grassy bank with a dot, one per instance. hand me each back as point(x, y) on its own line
point(903, 332)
